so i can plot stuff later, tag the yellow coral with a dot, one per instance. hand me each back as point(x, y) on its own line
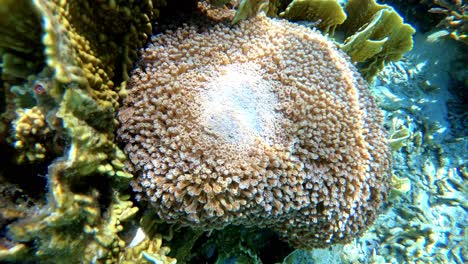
point(107, 246)
point(376, 35)
point(399, 186)
point(83, 50)
point(31, 132)
point(250, 8)
point(91, 148)
point(150, 249)
point(327, 13)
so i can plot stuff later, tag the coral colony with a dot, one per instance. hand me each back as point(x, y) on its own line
point(242, 131)
point(263, 124)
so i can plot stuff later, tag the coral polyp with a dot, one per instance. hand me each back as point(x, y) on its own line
point(260, 124)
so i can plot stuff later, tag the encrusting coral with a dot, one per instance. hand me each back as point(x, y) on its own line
point(263, 124)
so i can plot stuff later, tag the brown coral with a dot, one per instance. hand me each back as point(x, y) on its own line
point(220, 12)
point(265, 123)
point(456, 20)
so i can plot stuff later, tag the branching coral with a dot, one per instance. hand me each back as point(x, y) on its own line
point(31, 132)
point(456, 20)
point(262, 124)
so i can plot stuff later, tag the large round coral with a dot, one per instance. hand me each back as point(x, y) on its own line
point(264, 123)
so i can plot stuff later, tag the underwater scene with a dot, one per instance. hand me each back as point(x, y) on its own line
point(233, 131)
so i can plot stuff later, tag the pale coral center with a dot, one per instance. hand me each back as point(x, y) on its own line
point(239, 107)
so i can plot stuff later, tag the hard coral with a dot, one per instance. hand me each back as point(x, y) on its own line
point(456, 20)
point(327, 14)
point(264, 124)
point(30, 132)
point(375, 35)
point(217, 11)
point(75, 55)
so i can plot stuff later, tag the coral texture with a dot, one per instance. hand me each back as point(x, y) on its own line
point(375, 35)
point(63, 69)
point(30, 128)
point(328, 14)
point(456, 20)
point(262, 124)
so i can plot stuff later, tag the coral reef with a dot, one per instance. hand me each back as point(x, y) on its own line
point(375, 35)
point(31, 133)
point(328, 13)
point(64, 68)
point(456, 20)
point(222, 127)
point(426, 223)
point(217, 10)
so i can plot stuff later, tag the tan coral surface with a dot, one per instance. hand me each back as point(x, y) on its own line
point(265, 123)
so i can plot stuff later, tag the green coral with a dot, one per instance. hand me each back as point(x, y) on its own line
point(375, 35)
point(399, 133)
point(249, 8)
point(91, 146)
point(20, 40)
point(328, 12)
point(64, 69)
